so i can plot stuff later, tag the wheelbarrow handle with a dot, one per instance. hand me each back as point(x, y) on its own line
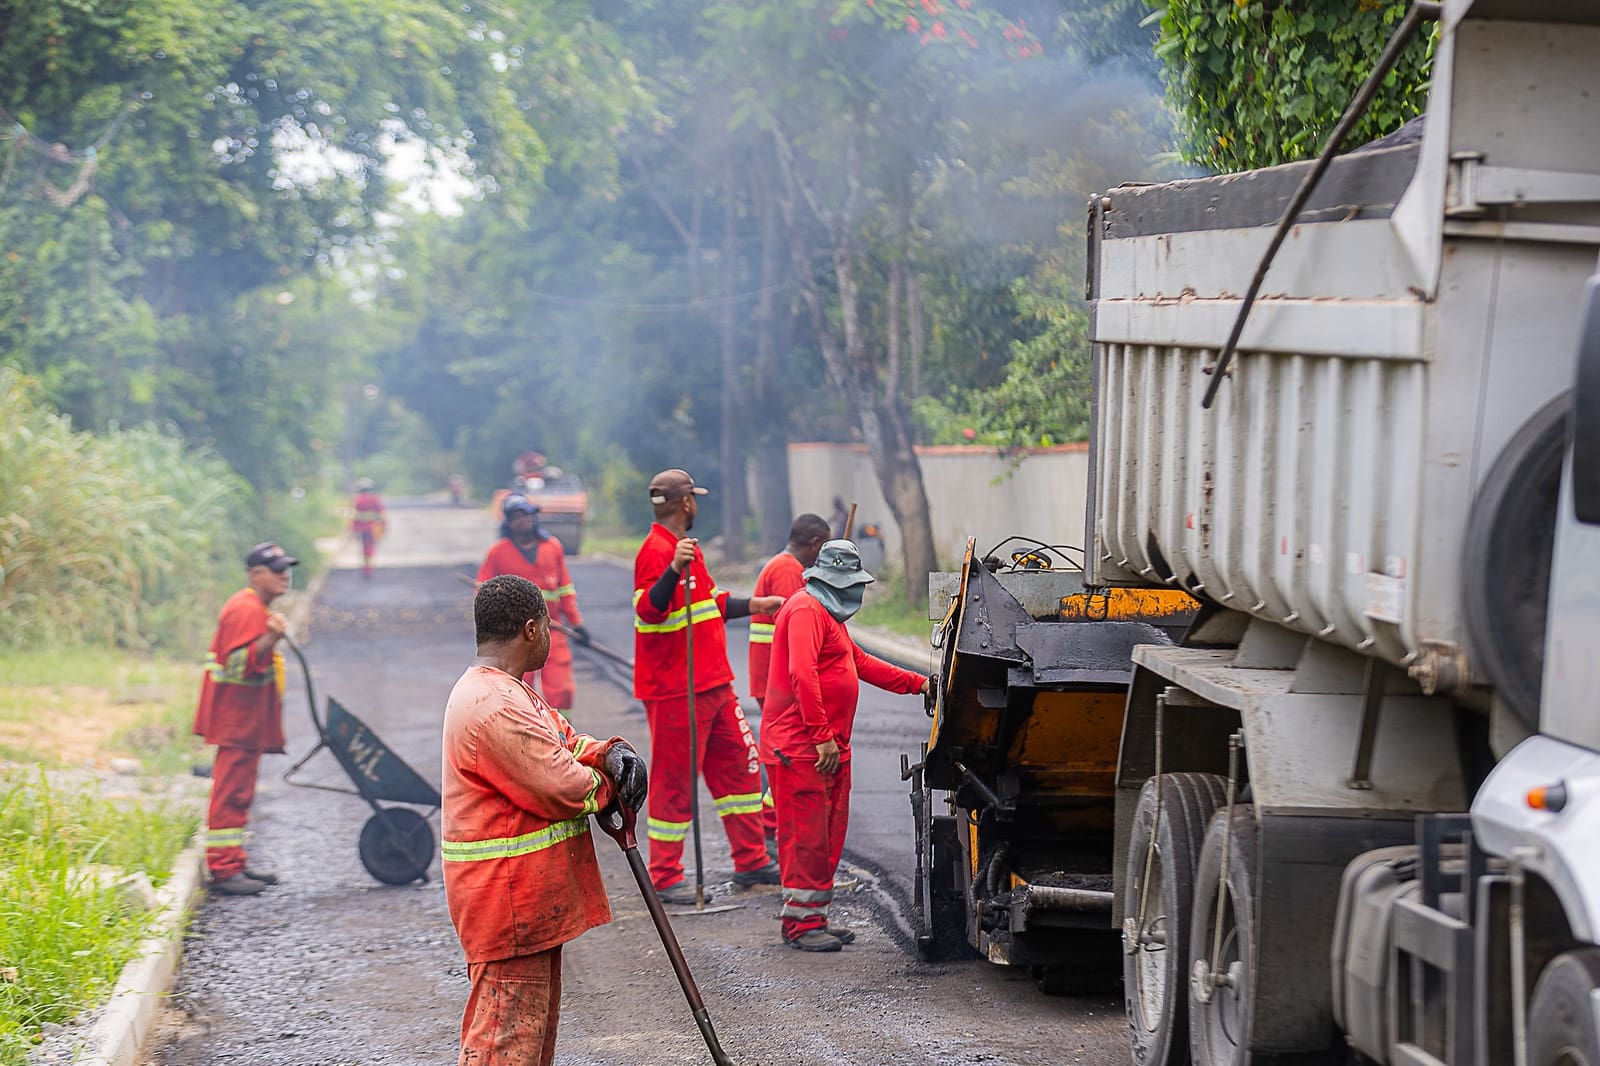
point(311, 695)
point(617, 822)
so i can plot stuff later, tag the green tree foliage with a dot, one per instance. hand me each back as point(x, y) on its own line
point(169, 168)
point(113, 537)
point(1260, 82)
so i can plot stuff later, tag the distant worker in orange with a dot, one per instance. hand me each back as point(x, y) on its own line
point(528, 550)
point(368, 522)
point(782, 576)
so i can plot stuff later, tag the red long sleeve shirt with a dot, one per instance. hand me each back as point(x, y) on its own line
point(660, 638)
point(548, 570)
point(782, 576)
point(815, 682)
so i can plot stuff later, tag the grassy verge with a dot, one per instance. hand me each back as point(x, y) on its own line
point(885, 608)
point(613, 542)
point(84, 706)
point(64, 934)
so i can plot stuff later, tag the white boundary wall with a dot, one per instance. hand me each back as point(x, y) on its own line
point(972, 491)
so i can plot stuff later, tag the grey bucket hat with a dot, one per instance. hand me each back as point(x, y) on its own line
point(839, 564)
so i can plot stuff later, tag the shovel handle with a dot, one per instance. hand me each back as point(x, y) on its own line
point(617, 822)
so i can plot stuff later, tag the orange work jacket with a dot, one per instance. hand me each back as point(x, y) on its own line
point(520, 875)
point(241, 696)
point(547, 569)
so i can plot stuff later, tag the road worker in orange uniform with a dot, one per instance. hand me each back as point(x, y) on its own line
point(241, 712)
point(528, 550)
point(812, 691)
point(368, 522)
point(780, 577)
point(728, 755)
point(520, 875)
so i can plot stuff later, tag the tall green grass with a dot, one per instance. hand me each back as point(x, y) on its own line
point(112, 538)
point(67, 936)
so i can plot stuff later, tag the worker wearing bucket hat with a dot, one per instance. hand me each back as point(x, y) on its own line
point(812, 689)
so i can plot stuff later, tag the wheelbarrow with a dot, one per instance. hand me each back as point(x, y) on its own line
point(397, 844)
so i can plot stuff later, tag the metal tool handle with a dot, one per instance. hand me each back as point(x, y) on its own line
point(311, 695)
point(694, 738)
point(618, 822)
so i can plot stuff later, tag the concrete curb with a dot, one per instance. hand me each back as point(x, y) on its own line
point(119, 1033)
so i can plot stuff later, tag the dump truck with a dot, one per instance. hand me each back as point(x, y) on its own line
point(1352, 407)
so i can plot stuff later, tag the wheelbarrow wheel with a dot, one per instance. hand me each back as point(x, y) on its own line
point(397, 846)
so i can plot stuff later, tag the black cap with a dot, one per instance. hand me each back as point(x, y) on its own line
point(271, 556)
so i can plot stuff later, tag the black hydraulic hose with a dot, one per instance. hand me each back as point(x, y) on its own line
point(1420, 11)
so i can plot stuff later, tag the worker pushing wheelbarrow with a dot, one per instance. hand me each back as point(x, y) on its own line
point(397, 843)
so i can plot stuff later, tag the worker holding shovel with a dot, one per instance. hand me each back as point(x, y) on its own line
point(672, 592)
point(520, 874)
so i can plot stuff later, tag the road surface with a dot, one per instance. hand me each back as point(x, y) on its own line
point(333, 968)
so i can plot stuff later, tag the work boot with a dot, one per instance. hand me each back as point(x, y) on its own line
point(764, 875)
point(816, 940)
point(842, 934)
point(680, 894)
point(238, 886)
point(266, 877)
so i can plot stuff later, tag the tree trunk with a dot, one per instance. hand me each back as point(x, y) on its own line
point(853, 365)
point(733, 467)
point(770, 417)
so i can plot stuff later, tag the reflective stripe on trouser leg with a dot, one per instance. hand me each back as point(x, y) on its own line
point(667, 824)
point(233, 790)
point(731, 763)
point(806, 861)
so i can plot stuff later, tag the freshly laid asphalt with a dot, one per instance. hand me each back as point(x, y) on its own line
point(332, 967)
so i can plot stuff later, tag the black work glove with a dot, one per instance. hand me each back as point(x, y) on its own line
point(930, 698)
point(625, 767)
point(580, 634)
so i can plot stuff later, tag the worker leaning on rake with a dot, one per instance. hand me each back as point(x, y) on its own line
point(519, 785)
point(668, 564)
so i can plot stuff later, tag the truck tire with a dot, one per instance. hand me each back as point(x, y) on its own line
point(1219, 1015)
point(1155, 946)
point(1506, 556)
point(1561, 1022)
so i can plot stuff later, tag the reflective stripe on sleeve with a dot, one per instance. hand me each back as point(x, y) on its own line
point(704, 610)
point(591, 802)
point(511, 847)
point(230, 671)
point(558, 592)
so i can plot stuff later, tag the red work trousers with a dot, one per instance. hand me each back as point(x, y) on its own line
point(512, 1011)
point(731, 764)
point(769, 807)
point(233, 789)
point(813, 814)
point(554, 682)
